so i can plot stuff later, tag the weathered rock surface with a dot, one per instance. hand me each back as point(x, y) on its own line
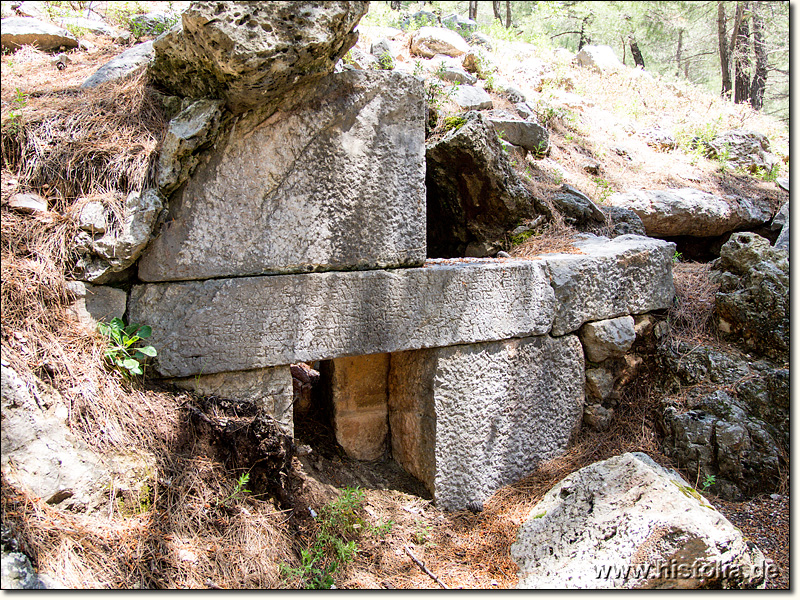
point(254, 55)
point(473, 192)
point(577, 207)
point(744, 149)
point(270, 390)
point(456, 21)
point(247, 323)
point(527, 134)
point(302, 191)
point(29, 203)
point(588, 286)
point(469, 97)
point(430, 41)
point(713, 433)
point(40, 454)
point(91, 25)
point(116, 251)
point(623, 221)
point(118, 67)
point(627, 522)
point(610, 338)
point(17, 573)
point(752, 304)
point(688, 211)
point(25, 31)
point(194, 127)
point(599, 58)
point(359, 395)
point(458, 74)
point(93, 217)
point(94, 303)
point(467, 420)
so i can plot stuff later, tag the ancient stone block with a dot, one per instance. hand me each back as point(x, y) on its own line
point(358, 388)
point(204, 327)
point(269, 389)
point(628, 275)
point(336, 183)
point(610, 338)
point(467, 420)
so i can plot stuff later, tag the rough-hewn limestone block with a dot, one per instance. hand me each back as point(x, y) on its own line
point(687, 211)
point(628, 511)
point(336, 183)
point(467, 420)
point(628, 275)
point(253, 322)
point(254, 54)
point(23, 31)
point(358, 387)
point(269, 389)
point(610, 338)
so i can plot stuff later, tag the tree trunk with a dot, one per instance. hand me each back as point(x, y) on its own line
point(473, 9)
point(583, 39)
point(759, 83)
point(741, 53)
point(624, 52)
point(678, 53)
point(394, 4)
point(635, 52)
point(508, 14)
point(496, 7)
point(724, 57)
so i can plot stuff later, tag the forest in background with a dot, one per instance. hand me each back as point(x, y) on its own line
point(739, 49)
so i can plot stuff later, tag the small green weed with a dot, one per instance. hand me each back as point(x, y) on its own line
point(122, 352)
point(454, 122)
point(709, 481)
point(340, 524)
point(521, 238)
point(18, 102)
point(768, 175)
point(603, 189)
point(676, 257)
point(239, 489)
point(421, 533)
point(386, 62)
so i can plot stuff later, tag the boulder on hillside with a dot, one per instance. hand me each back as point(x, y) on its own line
point(623, 221)
point(254, 54)
point(527, 134)
point(430, 41)
point(40, 453)
point(688, 211)
point(16, 32)
point(468, 97)
point(457, 22)
point(752, 304)
point(577, 207)
point(628, 522)
point(479, 39)
point(744, 149)
point(473, 193)
point(118, 67)
point(599, 58)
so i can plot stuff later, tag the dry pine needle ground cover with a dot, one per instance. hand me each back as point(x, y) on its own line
point(179, 522)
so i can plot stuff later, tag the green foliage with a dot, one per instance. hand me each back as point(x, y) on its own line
point(454, 122)
point(122, 352)
point(768, 175)
point(239, 489)
point(386, 62)
point(340, 523)
point(18, 102)
point(603, 189)
point(437, 92)
point(421, 532)
point(676, 257)
point(521, 238)
point(709, 481)
point(540, 515)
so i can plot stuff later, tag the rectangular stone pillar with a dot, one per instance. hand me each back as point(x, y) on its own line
point(467, 420)
point(358, 386)
point(269, 389)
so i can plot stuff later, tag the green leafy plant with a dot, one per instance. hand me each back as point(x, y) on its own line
point(521, 238)
point(386, 62)
point(454, 122)
point(676, 257)
point(239, 489)
point(18, 102)
point(421, 532)
point(122, 352)
point(768, 175)
point(341, 523)
point(709, 481)
point(603, 189)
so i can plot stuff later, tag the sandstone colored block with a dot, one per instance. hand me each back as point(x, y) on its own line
point(358, 388)
point(204, 327)
point(337, 183)
point(628, 275)
point(473, 418)
point(269, 389)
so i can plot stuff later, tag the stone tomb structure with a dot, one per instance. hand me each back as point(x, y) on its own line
point(282, 248)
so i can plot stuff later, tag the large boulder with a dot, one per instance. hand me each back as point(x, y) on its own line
point(469, 97)
point(473, 192)
point(335, 183)
point(40, 453)
point(688, 211)
point(430, 41)
point(27, 31)
point(752, 304)
point(527, 134)
point(627, 522)
point(254, 54)
point(599, 58)
point(741, 148)
point(118, 67)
